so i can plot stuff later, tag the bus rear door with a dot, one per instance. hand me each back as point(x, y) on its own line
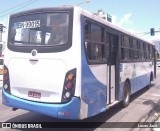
point(111, 41)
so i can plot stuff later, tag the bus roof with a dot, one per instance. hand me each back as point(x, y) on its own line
point(105, 22)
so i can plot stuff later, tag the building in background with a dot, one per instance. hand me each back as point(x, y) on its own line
point(157, 44)
point(103, 15)
point(1, 39)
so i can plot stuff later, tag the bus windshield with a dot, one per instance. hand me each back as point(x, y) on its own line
point(40, 29)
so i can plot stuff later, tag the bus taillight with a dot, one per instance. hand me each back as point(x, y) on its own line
point(6, 82)
point(69, 85)
point(5, 79)
point(67, 95)
point(5, 71)
point(70, 76)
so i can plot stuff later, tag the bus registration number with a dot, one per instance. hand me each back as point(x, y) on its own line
point(28, 24)
point(34, 94)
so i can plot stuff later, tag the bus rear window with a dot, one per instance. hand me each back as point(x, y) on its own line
point(40, 29)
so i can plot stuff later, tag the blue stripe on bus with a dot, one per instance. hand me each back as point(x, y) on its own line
point(93, 92)
point(70, 110)
point(137, 83)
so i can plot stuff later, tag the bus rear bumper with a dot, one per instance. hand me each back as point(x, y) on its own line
point(70, 110)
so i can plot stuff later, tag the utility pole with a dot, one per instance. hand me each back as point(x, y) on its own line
point(1, 31)
point(1, 43)
point(87, 1)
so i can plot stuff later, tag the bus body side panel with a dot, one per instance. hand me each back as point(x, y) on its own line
point(93, 92)
point(137, 73)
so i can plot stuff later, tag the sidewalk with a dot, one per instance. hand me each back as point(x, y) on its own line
point(153, 116)
point(156, 118)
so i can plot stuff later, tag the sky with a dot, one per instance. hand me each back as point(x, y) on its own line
point(136, 16)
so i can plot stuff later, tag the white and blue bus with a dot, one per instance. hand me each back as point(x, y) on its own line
point(68, 63)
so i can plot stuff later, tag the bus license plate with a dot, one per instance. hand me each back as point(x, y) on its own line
point(34, 94)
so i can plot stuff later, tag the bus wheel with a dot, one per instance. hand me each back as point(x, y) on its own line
point(151, 79)
point(126, 94)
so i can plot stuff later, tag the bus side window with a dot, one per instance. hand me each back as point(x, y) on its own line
point(108, 42)
point(88, 50)
point(126, 53)
point(87, 33)
point(94, 42)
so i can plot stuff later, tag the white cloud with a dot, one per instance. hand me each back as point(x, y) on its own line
point(114, 19)
point(125, 20)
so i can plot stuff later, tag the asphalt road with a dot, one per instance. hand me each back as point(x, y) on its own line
point(143, 106)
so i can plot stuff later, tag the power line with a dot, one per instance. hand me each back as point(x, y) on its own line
point(19, 8)
point(15, 6)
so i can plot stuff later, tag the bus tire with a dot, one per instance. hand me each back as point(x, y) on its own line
point(151, 79)
point(126, 94)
